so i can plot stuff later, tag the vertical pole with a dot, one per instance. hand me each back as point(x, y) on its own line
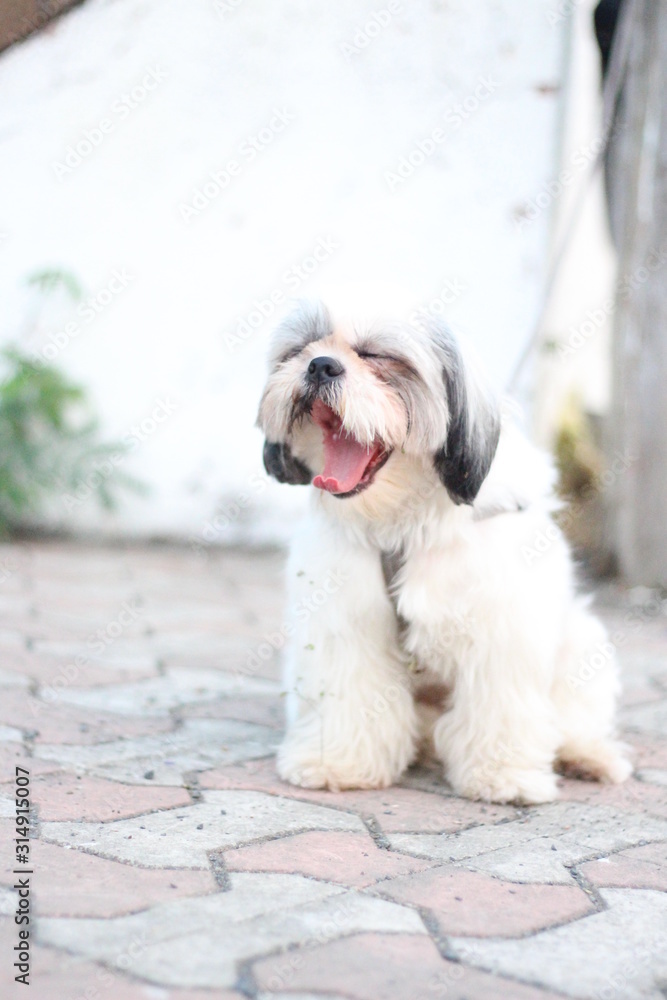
point(637, 177)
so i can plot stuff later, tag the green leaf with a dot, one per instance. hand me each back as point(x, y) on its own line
point(49, 443)
point(50, 279)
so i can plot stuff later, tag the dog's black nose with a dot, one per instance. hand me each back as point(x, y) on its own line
point(323, 370)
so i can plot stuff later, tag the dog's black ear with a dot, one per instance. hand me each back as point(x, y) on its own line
point(464, 460)
point(280, 463)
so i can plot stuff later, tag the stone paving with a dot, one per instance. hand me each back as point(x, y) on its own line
point(169, 862)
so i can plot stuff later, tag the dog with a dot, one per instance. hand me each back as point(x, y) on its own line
point(422, 615)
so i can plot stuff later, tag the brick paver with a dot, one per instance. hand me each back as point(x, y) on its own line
point(385, 967)
point(470, 903)
point(169, 862)
point(65, 796)
point(350, 859)
point(639, 868)
point(67, 877)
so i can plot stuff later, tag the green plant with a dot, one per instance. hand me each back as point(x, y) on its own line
point(52, 278)
point(49, 439)
point(578, 459)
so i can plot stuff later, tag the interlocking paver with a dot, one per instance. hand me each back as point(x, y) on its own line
point(199, 995)
point(13, 754)
point(651, 718)
point(639, 868)
point(385, 967)
point(347, 858)
point(650, 753)
point(262, 711)
point(12, 678)
point(64, 796)
point(10, 734)
point(171, 863)
point(395, 809)
point(634, 796)
point(618, 954)
point(157, 695)
point(66, 878)
point(261, 913)
point(300, 996)
point(25, 666)
point(653, 776)
point(537, 847)
point(54, 721)
point(58, 975)
point(182, 838)
point(7, 905)
point(197, 745)
point(123, 656)
point(471, 903)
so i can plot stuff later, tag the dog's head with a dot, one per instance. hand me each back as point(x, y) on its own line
point(340, 401)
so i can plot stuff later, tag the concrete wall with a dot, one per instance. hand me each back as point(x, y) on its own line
point(116, 121)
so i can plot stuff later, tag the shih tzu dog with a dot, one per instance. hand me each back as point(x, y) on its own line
point(422, 610)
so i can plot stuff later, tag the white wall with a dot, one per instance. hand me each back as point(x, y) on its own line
point(357, 105)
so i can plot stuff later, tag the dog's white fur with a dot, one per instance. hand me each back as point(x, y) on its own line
point(474, 606)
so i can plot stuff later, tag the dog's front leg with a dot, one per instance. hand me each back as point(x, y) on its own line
point(497, 748)
point(351, 720)
point(495, 649)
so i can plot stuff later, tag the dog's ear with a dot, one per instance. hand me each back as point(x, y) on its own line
point(464, 459)
point(280, 463)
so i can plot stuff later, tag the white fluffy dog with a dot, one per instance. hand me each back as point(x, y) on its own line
point(421, 610)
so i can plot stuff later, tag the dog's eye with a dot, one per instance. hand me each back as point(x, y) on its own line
point(369, 355)
point(284, 358)
point(389, 366)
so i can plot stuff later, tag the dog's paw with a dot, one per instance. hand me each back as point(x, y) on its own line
point(314, 770)
point(604, 761)
point(516, 785)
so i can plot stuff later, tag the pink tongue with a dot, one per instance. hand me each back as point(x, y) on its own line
point(345, 461)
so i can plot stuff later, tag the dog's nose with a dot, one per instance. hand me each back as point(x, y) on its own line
point(323, 370)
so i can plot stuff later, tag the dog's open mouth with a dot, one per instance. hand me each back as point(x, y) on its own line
point(349, 465)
